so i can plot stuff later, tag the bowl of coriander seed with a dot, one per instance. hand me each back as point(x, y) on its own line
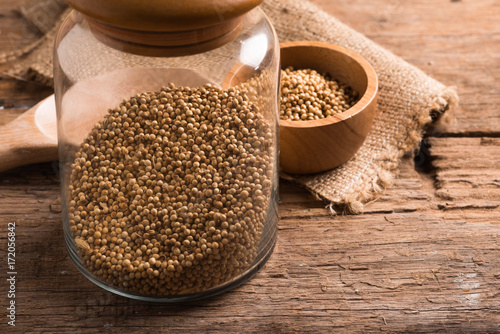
point(327, 105)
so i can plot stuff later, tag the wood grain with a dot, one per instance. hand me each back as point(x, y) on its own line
point(31, 137)
point(468, 171)
point(423, 258)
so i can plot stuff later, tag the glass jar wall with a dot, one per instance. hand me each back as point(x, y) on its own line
point(168, 160)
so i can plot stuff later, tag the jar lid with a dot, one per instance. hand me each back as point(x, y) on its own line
point(171, 26)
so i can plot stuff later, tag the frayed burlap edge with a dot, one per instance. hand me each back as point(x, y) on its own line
point(379, 172)
point(409, 101)
point(33, 62)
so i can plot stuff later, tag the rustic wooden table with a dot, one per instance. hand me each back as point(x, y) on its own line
point(424, 257)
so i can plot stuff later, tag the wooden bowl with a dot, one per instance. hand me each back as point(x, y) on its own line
point(308, 147)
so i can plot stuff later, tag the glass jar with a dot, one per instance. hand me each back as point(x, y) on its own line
point(168, 144)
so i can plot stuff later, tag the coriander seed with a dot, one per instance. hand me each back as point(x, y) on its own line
point(309, 95)
point(169, 193)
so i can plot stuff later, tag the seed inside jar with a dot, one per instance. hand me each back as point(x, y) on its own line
point(309, 95)
point(169, 192)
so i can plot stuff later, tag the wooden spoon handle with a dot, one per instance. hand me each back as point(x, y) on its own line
point(28, 139)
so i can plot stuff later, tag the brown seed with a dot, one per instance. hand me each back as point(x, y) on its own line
point(168, 192)
point(308, 95)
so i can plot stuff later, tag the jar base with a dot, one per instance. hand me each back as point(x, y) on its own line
point(268, 242)
point(237, 281)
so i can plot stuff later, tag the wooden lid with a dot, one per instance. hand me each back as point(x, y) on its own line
point(163, 15)
point(149, 25)
point(164, 27)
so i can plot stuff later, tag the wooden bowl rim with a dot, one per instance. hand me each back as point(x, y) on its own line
point(367, 99)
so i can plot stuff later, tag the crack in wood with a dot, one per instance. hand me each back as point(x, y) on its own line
point(463, 206)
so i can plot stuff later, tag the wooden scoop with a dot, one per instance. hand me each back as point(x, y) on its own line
point(30, 138)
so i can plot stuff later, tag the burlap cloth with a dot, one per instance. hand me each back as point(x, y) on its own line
point(409, 100)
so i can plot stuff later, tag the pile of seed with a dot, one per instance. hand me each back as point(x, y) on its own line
point(308, 95)
point(169, 192)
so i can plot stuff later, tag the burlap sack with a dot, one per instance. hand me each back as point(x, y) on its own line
point(34, 61)
point(408, 101)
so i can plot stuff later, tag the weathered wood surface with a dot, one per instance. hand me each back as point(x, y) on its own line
point(423, 258)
